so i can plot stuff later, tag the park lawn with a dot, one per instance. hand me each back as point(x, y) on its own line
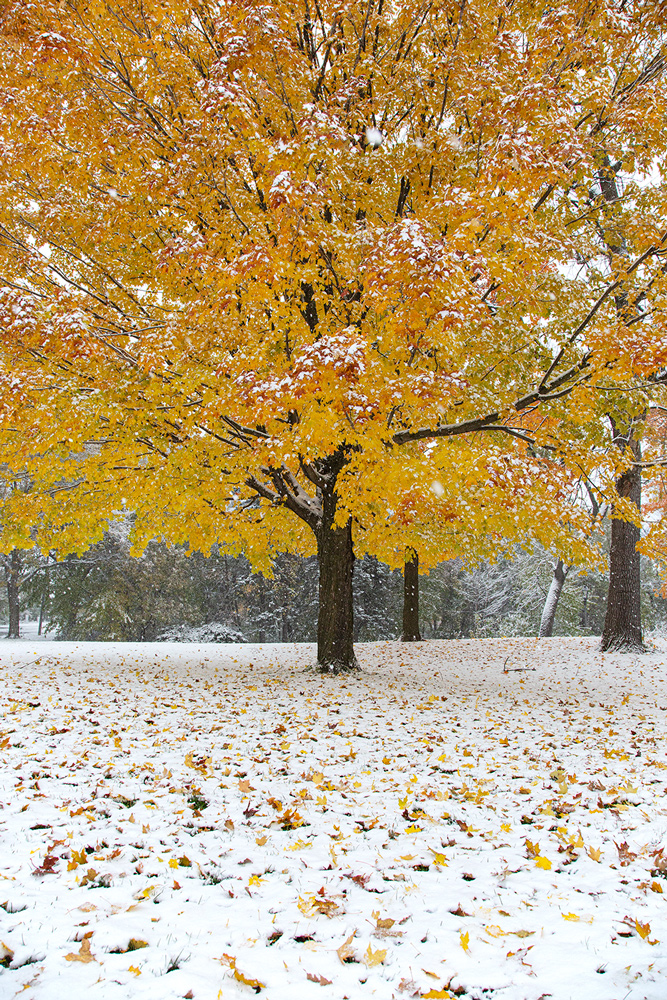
point(480, 818)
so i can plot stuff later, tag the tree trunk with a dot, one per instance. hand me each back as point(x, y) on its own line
point(551, 603)
point(467, 624)
point(622, 625)
point(583, 617)
point(411, 597)
point(13, 584)
point(335, 553)
point(46, 587)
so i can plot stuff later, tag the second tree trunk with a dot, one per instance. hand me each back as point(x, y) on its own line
point(623, 625)
point(551, 603)
point(13, 586)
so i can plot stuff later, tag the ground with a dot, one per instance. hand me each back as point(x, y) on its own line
point(482, 818)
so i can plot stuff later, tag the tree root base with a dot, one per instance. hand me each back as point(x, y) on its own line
point(338, 667)
point(622, 645)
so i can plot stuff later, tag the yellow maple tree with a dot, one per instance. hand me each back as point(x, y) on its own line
point(272, 274)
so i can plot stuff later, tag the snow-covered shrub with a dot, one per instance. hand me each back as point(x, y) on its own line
point(212, 632)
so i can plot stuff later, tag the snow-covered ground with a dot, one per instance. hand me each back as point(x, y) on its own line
point(481, 818)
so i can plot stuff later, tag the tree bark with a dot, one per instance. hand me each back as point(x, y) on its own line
point(13, 576)
point(411, 597)
point(335, 551)
point(622, 625)
point(551, 603)
point(335, 554)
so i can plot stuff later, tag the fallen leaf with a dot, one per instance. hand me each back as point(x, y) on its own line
point(376, 957)
point(346, 951)
point(543, 863)
point(532, 850)
point(135, 944)
point(240, 976)
point(310, 906)
point(318, 979)
point(465, 941)
point(83, 953)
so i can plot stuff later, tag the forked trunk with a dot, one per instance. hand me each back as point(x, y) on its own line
point(411, 597)
point(335, 553)
point(622, 625)
point(551, 603)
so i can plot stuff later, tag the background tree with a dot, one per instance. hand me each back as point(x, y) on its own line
point(289, 256)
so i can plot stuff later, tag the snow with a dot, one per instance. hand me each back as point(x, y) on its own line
point(479, 816)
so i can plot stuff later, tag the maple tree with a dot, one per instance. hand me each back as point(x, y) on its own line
point(278, 275)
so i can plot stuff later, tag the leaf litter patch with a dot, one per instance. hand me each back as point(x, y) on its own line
point(438, 825)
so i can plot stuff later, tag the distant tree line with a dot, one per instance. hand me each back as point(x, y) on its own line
point(109, 595)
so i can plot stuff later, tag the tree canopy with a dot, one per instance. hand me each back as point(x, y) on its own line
point(345, 261)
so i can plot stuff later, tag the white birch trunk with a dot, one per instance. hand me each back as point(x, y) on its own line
point(551, 603)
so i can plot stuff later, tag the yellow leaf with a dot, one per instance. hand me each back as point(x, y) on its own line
point(146, 893)
point(254, 880)
point(173, 863)
point(230, 960)
point(300, 845)
point(570, 916)
point(433, 994)
point(135, 970)
point(311, 905)
point(543, 863)
point(83, 954)
point(642, 929)
point(261, 840)
point(346, 951)
point(465, 941)
point(494, 930)
point(594, 853)
point(438, 858)
point(376, 957)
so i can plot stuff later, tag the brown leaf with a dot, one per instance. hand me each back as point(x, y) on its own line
point(625, 855)
point(318, 979)
point(47, 866)
point(360, 880)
